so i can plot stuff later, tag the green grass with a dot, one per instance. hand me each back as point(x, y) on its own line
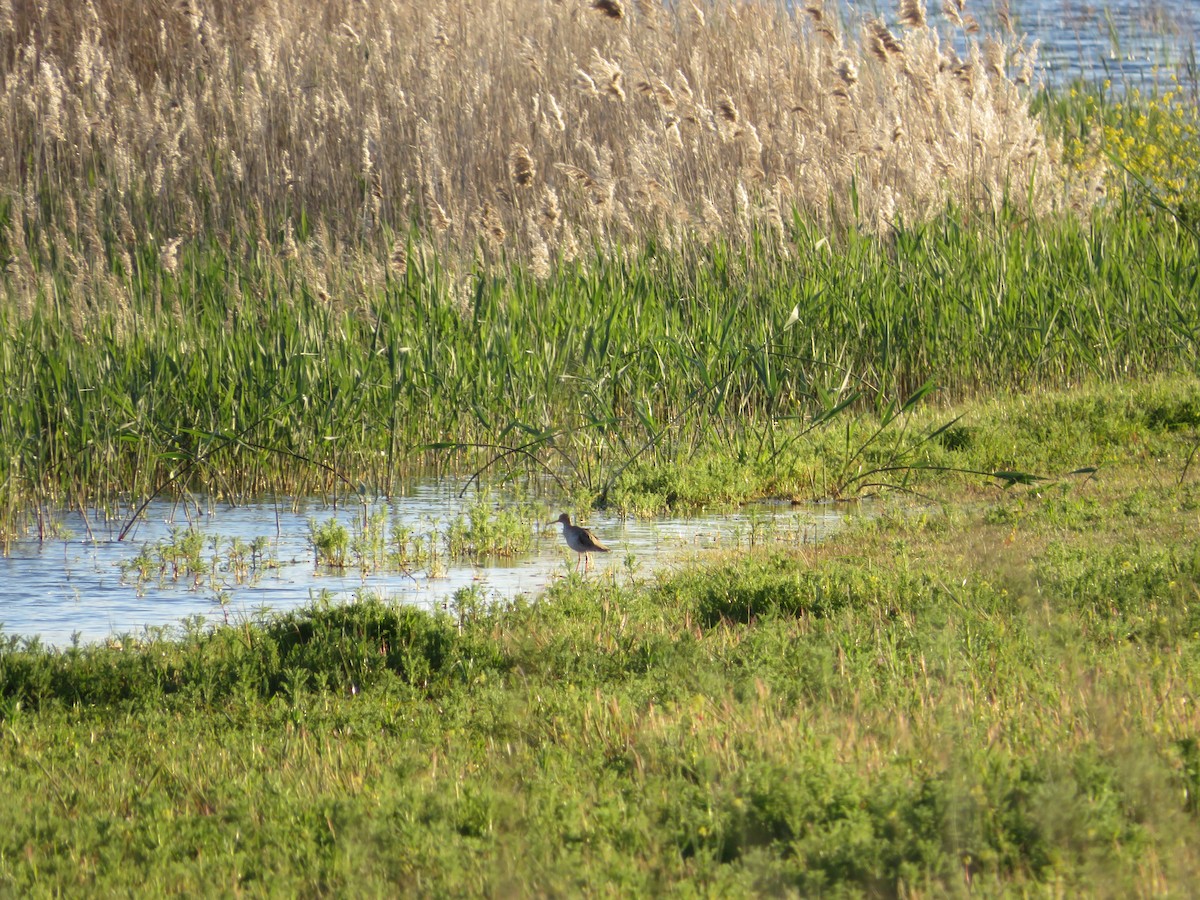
point(995, 696)
point(941, 449)
point(239, 379)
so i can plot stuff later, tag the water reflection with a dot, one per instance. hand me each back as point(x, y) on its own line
point(86, 582)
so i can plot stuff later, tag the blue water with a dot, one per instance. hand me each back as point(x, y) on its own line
point(83, 583)
point(1126, 42)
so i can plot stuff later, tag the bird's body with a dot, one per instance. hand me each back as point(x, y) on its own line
point(580, 539)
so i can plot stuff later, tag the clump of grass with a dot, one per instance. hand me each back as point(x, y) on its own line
point(373, 542)
point(181, 558)
point(488, 531)
point(330, 542)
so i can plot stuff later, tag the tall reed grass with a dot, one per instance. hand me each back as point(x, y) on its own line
point(236, 377)
point(530, 130)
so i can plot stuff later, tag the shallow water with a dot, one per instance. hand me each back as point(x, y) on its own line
point(82, 583)
point(1091, 40)
point(1117, 39)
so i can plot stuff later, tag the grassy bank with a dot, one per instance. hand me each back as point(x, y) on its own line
point(997, 698)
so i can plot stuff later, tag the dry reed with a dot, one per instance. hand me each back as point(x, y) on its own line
point(521, 128)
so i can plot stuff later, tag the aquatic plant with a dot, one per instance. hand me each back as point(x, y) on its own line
point(330, 542)
point(180, 557)
point(489, 530)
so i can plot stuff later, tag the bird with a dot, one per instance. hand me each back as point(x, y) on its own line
point(579, 539)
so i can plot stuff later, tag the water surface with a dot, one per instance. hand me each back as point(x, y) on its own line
point(1120, 40)
point(84, 582)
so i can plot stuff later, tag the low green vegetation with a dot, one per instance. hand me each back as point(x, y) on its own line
point(372, 541)
point(939, 449)
point(249, 252)
point(191, 557)
point(994, 696)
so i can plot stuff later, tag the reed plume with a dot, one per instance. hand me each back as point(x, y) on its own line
point(611, 9)
point(204, 120)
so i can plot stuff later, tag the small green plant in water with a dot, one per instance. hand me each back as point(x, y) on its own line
point(369, 546)
point(170, 560)
point(405, 549)
point(330, 542)
point(181, 557)
point(487, 531)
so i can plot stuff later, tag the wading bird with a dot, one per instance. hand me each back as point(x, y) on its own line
point(579, 539)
